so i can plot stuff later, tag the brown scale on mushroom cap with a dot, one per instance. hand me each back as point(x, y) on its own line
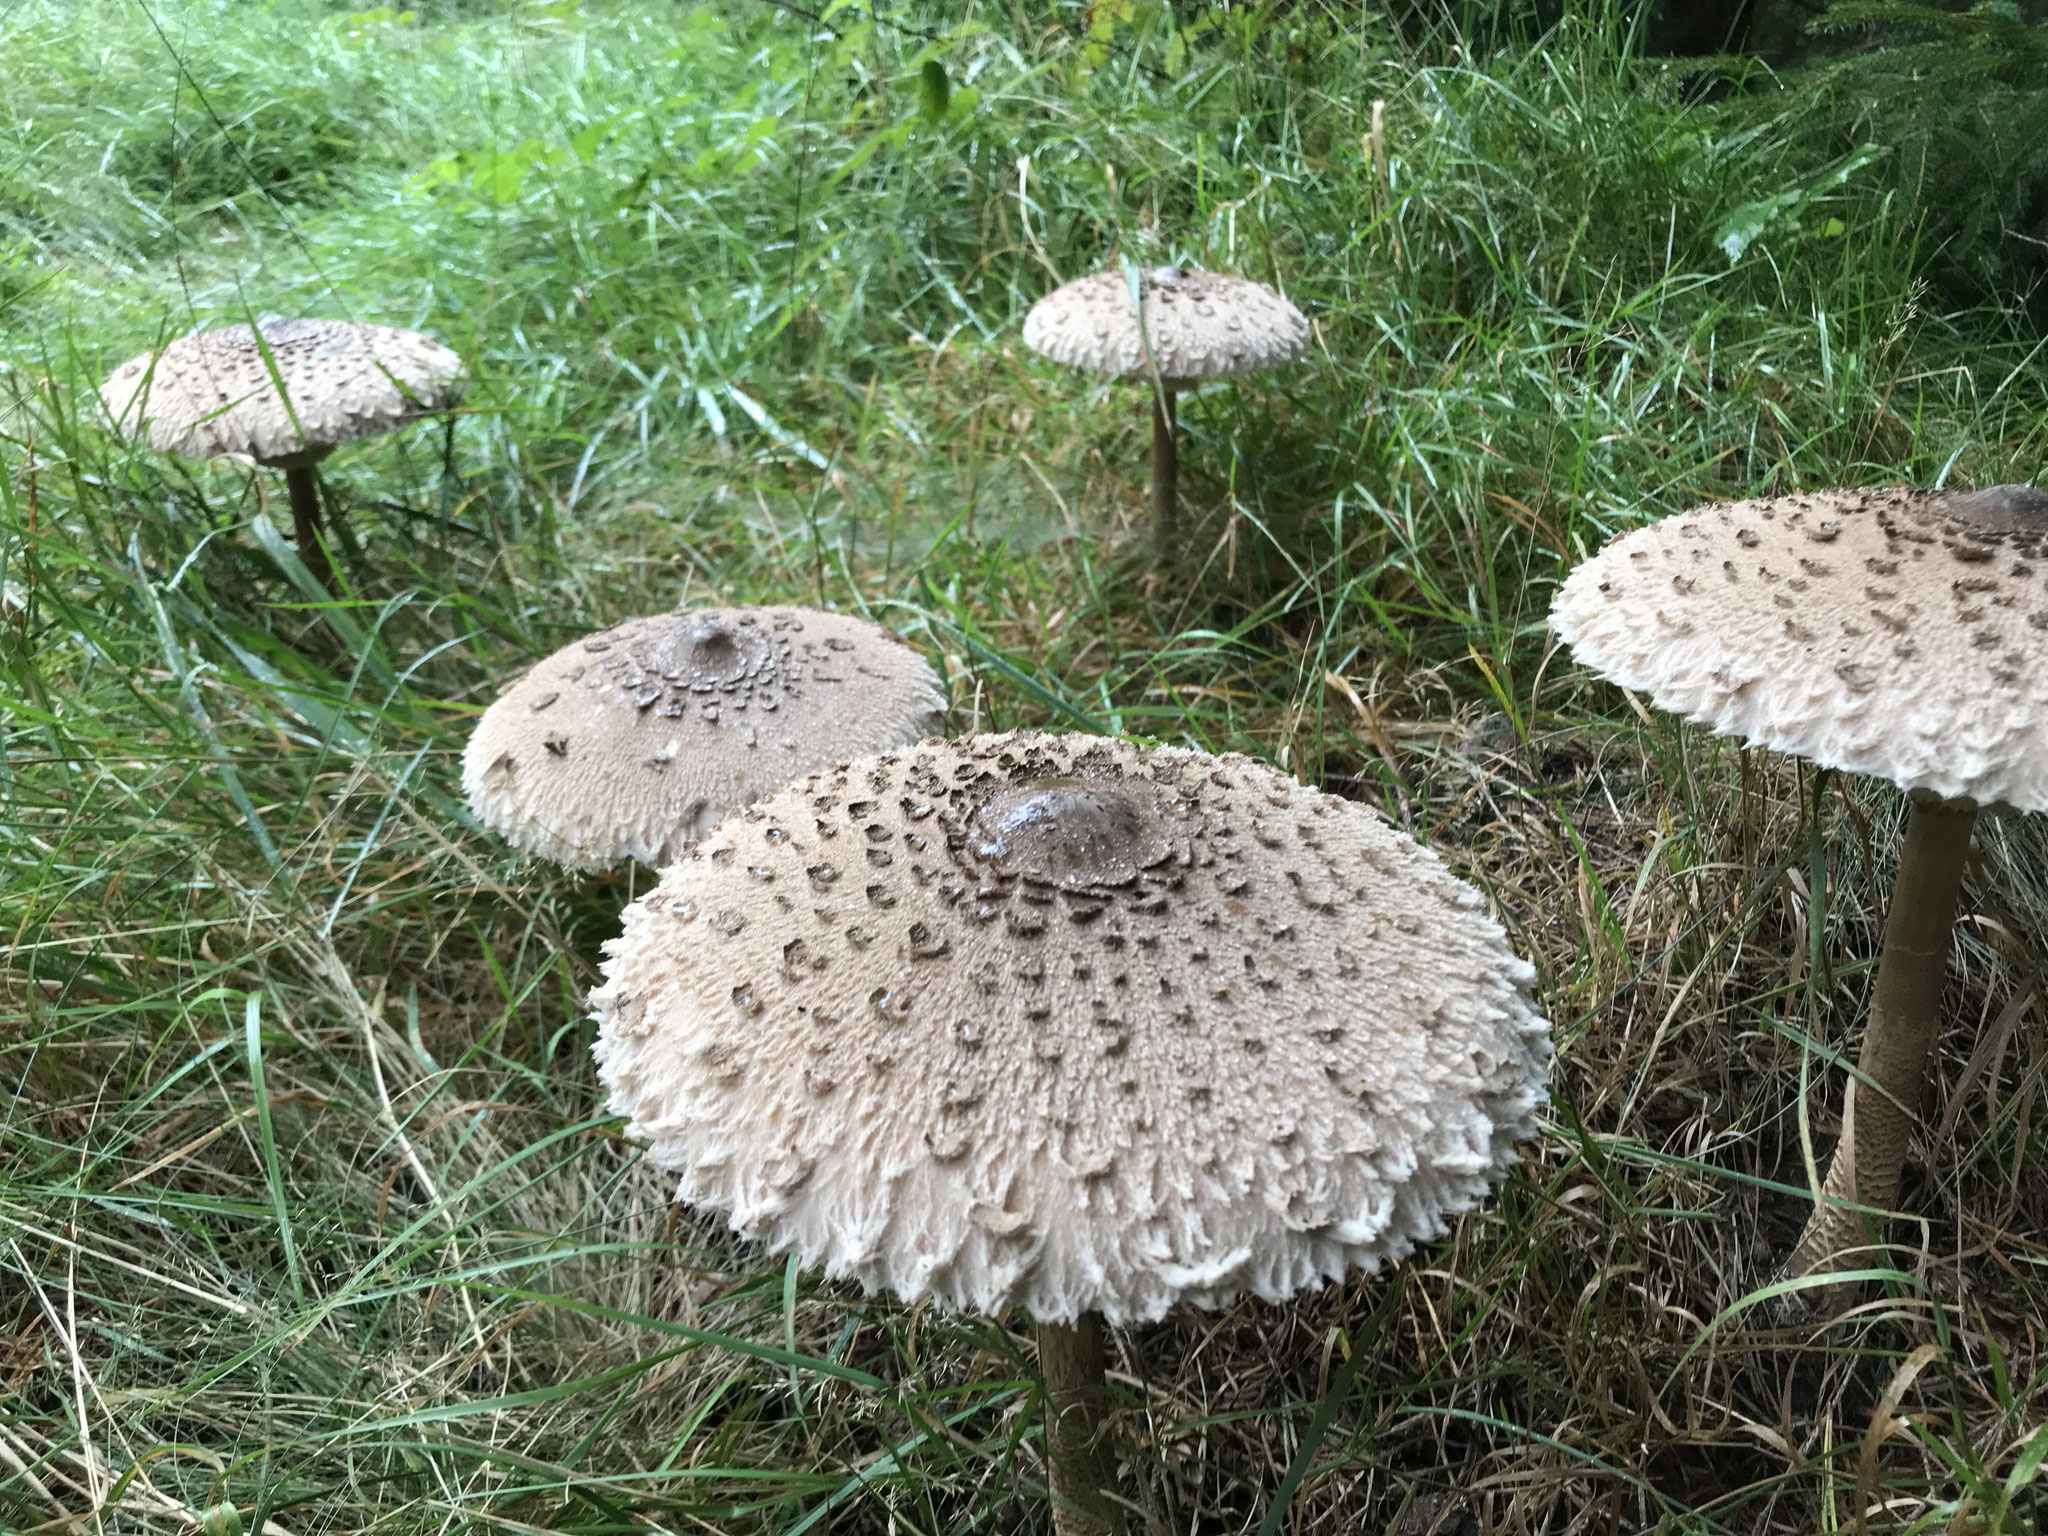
point(1061, 1021)
point(1897, 633)
point(1201, 324)
point(213, 392)
point(632, 742)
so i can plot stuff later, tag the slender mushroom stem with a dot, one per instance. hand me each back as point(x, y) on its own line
point(1899, 1040)
point(1165, 468)
point(1073, 1362)
point(305, 496)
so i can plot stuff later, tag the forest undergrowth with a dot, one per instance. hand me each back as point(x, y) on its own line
point(311, 1218)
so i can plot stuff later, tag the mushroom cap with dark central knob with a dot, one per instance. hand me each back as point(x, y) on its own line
point(630, 743)
point(2015, 511)
point(1897, 633)
point(1067, 1022)
point(712, 650)
point(1071, 833)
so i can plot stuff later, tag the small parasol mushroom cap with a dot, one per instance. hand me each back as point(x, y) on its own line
point(1202, 325)
point(631, 743)
point(213, 393)
point(1060, 1021)
point(1897, 633)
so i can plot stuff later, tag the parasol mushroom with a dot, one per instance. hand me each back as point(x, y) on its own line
point(630, 743)
point(1068, 1024)
point(1195, 325)
point(218, 392)
point(1894, 633)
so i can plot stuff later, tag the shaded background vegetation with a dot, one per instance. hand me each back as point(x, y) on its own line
point(307, 1203)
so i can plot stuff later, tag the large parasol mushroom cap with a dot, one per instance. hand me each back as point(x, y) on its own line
point(1202, 325)
point(631, 743)
point(1064, 1022)
point(214, 393)
point(1896, 633)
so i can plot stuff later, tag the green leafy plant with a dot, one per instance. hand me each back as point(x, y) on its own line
point(492, 175)
point(1751, 220)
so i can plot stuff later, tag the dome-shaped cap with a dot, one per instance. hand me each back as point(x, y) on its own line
point(212, 392)
point(630, 743)
point(1058, 1021)
point(1202, 324)
point(1901, 634)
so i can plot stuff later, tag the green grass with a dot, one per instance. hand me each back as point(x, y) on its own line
point(307, 1205)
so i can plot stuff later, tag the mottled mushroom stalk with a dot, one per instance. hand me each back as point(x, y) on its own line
point(1165, 472)
point(1895, 633)
point(630, 743)
point(1073, 1026)
point(302, 489)
point(1073, 1364)
point(1898, 1041)
point(218, 392)
point(1187, 325)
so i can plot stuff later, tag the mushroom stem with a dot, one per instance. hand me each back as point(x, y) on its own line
point(1073, 1362)
point(1165, 469)
point(1899, 1040)
point(305, 496)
